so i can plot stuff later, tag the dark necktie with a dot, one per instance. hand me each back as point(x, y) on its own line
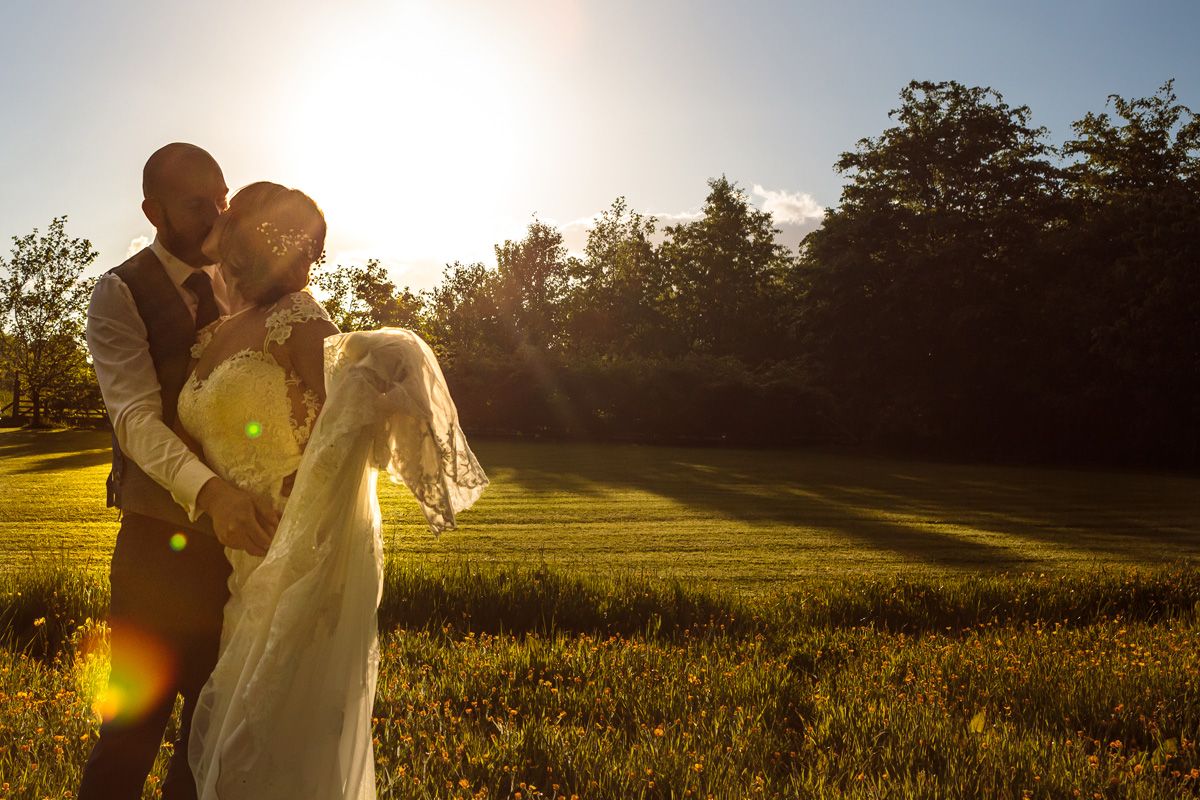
point(206, 305)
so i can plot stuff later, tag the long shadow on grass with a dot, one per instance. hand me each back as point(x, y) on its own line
point(84, 458)
point(48, 451)
point(1078, 526)
point(866, 500)
point(740, 490)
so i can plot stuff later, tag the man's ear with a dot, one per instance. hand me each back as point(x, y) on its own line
point(154, 212)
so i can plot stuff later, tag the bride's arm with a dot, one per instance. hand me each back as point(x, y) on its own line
point(306, 351)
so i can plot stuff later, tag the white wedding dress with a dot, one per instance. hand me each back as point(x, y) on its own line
point(286, 713)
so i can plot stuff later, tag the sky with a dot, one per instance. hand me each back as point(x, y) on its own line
point(430, 131)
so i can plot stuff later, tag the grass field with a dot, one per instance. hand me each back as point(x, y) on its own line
point(643, 622)
point(750, 519)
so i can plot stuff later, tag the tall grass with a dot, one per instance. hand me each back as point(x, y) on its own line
point(39, 609)
point(533, 682)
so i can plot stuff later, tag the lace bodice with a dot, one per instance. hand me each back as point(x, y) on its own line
point(250, 414)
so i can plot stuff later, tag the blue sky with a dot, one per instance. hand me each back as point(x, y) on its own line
point(431, 130)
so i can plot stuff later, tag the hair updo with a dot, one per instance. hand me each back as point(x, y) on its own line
point(271, 239)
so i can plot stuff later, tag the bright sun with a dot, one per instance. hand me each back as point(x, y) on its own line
point(407, 136)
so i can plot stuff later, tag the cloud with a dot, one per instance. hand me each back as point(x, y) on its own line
point(583, 223)
point(789, 208)
point(137, 244)
point(674, 218)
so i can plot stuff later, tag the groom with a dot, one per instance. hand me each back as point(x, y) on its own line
point(168, 567)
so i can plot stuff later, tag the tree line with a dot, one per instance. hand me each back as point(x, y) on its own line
point(978, 291)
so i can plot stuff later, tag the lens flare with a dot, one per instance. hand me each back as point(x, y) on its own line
point(178, 542)
point(254, 429)
point(141, 674)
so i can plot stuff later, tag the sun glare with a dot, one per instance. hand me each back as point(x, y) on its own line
point(407, 135)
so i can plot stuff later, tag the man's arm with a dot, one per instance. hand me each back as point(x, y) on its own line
point(120, 351)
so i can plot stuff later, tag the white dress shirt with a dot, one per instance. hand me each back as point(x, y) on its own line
point(120, 351)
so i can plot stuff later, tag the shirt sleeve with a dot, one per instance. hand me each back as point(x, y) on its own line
point(120, 350)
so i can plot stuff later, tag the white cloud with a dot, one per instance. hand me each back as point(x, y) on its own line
point(675, 218)
point(789, 208)
point(583, 223)
point(137, 244)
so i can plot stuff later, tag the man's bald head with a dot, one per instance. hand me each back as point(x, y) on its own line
point(170, 162)
point(184, 194)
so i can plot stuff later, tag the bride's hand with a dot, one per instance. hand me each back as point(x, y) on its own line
point(240, 520)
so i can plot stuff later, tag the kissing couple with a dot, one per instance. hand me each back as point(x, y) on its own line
point(247, 437)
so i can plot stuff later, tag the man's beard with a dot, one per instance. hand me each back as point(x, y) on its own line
point(179, 246)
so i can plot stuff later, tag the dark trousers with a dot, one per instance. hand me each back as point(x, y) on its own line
point(168, 595)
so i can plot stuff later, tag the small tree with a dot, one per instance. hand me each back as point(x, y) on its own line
point(727, 275)
point(617, 291)
point(463, 312)
point(364, 298)
point(531, 284)
point(42, 308)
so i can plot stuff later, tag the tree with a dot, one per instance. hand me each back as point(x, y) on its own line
point(365, 298)
point(921, 287)
point(727, 276)
point(531, 285)
point(463, 316)
point(617, 292)
point(43, 303)
point(1134, 271)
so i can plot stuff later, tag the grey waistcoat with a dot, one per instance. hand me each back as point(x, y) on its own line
point(171, 333)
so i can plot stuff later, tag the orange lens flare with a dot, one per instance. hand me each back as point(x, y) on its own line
point(142, 672)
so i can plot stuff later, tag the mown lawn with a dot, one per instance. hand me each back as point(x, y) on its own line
point(752, 519)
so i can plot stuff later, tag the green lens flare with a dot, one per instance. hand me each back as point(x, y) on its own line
point(253, 429)
point(178, 542)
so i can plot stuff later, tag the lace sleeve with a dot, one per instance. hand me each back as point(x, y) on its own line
point(291, 310)
point(419, 440)
point(204, 336)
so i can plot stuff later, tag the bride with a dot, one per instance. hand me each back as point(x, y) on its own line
point(283, 406)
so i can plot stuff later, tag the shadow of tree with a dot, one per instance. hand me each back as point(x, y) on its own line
point(53, 450)
point(946, 514)
point(66, 461)
point(25, 442)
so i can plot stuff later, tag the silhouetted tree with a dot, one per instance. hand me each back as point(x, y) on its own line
point(463, 316)
point(364, 298)
point(918, 300)
point(531, 277)
point(618, 291)
point(1133, 266)
point(728, 277)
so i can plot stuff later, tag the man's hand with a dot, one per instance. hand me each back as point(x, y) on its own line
point(240, 520)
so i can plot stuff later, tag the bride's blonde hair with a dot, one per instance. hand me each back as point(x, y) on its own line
point(271, 240)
